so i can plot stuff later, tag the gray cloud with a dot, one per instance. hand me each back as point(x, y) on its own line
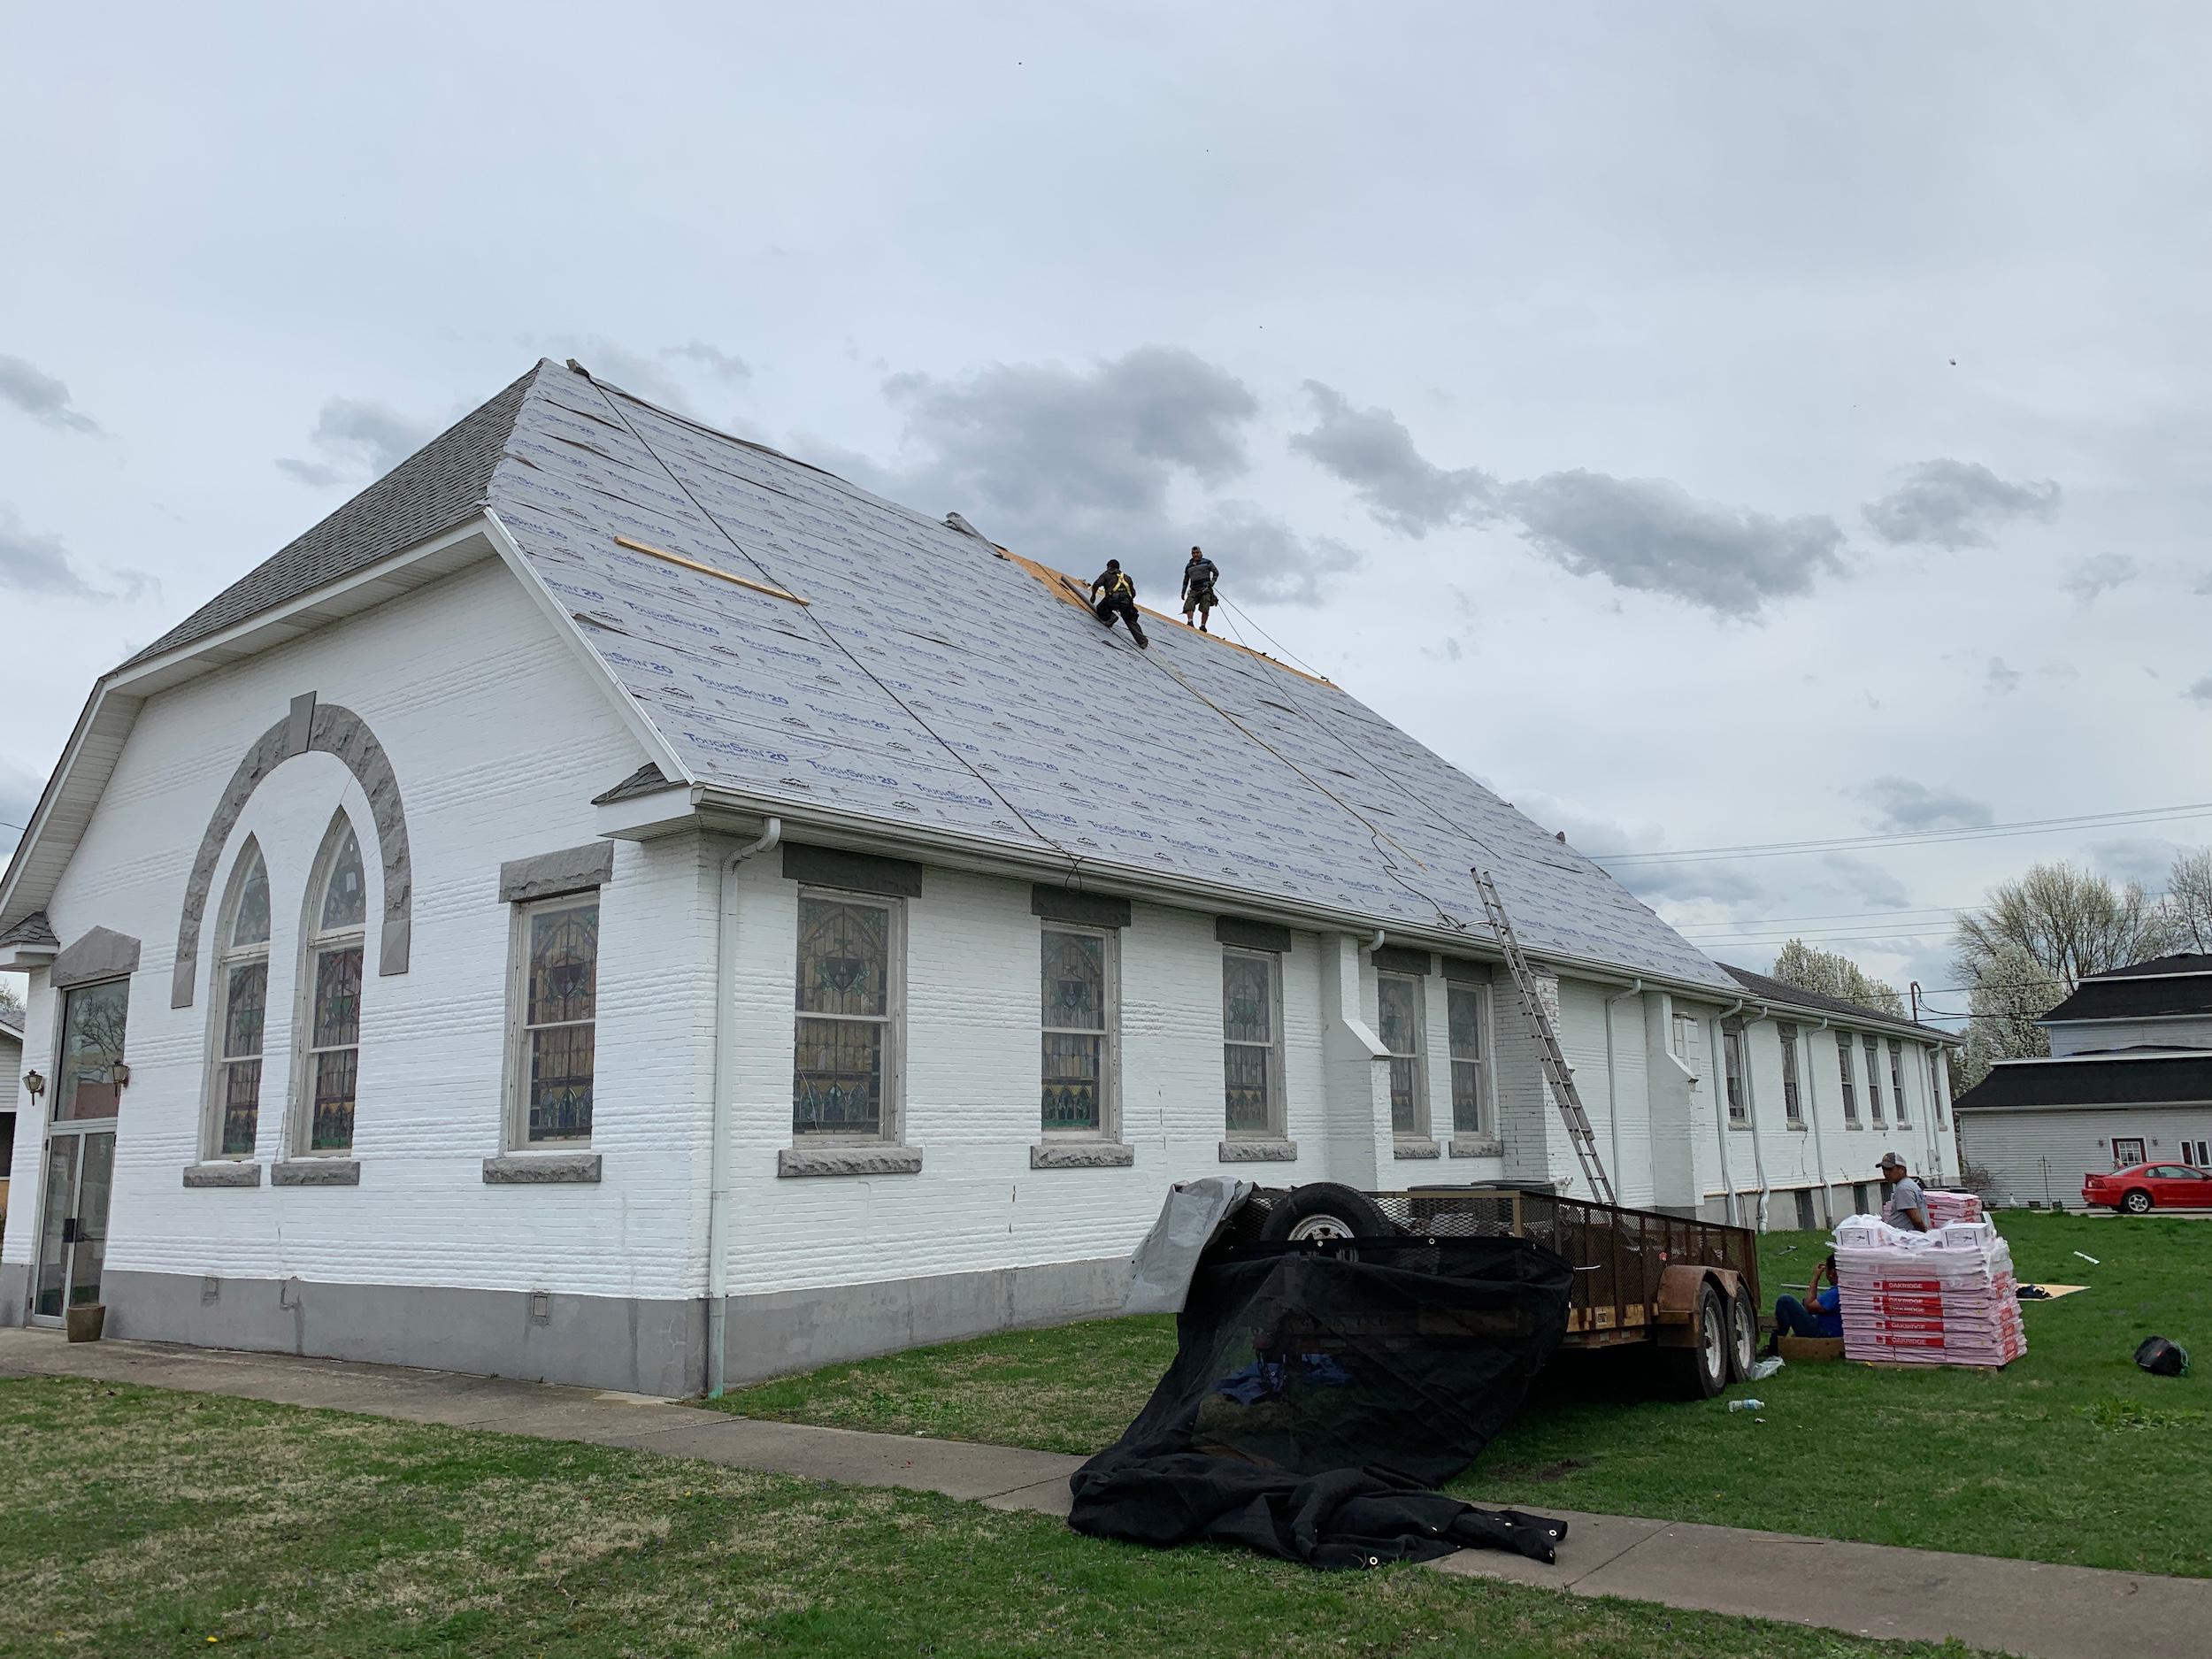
point(1651, 535)
point(359, 438)
point(2142, 859)
point(1905, 805)
point(1077, 466)
point(1645, 534)
point(40, 396)
point(2087, 578)
point(40, 564)
point(2204, 584)
point(1757, 892)
point(1372, 450)
point(1955, 504)
point(2202, 692)
point(2000, 679)
point(730, 368)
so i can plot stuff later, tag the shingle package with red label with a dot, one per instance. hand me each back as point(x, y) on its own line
point(1944, 1208)
point(1947, 1297)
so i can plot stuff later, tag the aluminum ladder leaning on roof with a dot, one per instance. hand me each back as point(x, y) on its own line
point(1556, 1070)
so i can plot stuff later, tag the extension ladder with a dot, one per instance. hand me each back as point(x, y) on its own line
point(1554, 1059)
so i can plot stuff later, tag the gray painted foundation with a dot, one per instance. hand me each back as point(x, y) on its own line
point(631, 1344)
point(796, 1330)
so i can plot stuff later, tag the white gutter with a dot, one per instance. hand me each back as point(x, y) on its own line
point(1612, 1081)
point(725, 1108)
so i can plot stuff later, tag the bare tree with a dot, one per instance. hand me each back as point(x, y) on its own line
point(10, 997)
point(2071, 922)
point(2188, 901)
point(1832, 974)
point(2011, 993)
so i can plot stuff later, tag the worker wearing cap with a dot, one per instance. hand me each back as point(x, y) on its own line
point(1199, 577)
point(1115, 594)
point(1903, 1202)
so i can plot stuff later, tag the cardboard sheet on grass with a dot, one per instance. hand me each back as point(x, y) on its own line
point(1321, 1390)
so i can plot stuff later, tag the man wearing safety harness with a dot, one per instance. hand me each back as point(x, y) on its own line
point(1119, 591)
point(1199, 577)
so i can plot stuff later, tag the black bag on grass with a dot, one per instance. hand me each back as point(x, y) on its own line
point(2162, 1358)
point(1319, 1391)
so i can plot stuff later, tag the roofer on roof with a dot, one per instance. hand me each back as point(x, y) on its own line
point(1119, 591)
point(1199, 577)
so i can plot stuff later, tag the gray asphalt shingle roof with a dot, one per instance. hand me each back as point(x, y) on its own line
point(930, 682)
point(1769, 988)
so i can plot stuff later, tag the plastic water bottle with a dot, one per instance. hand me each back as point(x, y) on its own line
point(1746, 1405)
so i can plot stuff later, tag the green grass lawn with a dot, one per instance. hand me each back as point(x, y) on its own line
point(2070, 1455)
point(142, 1522)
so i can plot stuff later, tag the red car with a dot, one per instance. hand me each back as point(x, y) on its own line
point(2141, 1188)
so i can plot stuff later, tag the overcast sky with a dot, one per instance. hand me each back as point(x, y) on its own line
point(1707, 425)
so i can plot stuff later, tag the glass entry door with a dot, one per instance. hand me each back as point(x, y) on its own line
point(74, 1221)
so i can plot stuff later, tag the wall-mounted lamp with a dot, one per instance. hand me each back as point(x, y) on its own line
point(122, 1074)
point(33, 1082)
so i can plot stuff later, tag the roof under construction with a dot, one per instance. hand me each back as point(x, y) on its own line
point(798, 643)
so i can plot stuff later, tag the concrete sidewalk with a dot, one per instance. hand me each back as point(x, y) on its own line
point(2019, 1607)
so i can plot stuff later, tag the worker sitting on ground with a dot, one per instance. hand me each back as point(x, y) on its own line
point(1903, 1202)
point(1199, 577)
point(1820, 1314)
point(1115, 594)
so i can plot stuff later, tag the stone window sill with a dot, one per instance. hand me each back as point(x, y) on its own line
point(1799, 1128)
point(1081, 1155)
point(882, 1159)
point(1409, 1147)
point(542, 1169)
point(1259, 1151)
point(1477, 1146)
point(316, 1172)
point(1744, 1126)
point(225, 1172)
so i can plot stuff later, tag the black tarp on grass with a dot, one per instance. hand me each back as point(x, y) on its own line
point(1319, 1392)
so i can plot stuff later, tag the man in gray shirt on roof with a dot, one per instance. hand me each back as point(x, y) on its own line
point(1903, 1202)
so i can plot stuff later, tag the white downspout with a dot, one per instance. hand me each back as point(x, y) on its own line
point(1612, 1084)
point(725, 1107)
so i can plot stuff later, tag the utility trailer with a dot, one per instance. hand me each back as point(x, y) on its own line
point(1686, 1290)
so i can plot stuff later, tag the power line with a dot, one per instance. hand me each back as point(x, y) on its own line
point(1905, 838)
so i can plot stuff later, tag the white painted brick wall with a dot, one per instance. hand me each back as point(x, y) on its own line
point(498, 742)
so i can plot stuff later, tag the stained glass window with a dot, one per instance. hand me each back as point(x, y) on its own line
point(1732, 1073)
point(1398, 1009)
point(1874, 1080)
point(1463, 1012)
point(1074, 995)
point(345, 895)
point(243, 978)
point(1843, 1072)
point(1247, 1043)
point(844, 994)
point(1792, 1107)
point(560, 1009)
point(1897, 1083)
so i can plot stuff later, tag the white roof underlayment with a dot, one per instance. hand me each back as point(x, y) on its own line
point(930, 680)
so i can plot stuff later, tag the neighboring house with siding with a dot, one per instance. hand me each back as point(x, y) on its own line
point(2128, 1080)
point(10, 1097)
point(588, 909)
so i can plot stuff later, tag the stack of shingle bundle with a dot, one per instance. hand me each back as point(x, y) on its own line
point(1947, 1207)
point(1942, 1298)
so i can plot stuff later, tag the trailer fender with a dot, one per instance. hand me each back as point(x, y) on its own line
point(1678, 1289)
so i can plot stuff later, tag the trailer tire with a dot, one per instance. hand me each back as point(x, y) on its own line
point(1743, 1335)
point(1700, 1370)
point(1323, 1210)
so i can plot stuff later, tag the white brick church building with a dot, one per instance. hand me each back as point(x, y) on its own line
point(580, 912)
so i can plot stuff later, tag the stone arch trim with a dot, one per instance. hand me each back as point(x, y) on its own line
point(317, 727)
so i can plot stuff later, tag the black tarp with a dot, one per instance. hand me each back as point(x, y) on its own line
point(1319, 1391)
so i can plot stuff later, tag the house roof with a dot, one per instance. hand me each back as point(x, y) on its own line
point(32, 930)
point(1768, 988)
point(12, 1023)
point(2157, 989)
point(2146, 1077)
point(795, 644)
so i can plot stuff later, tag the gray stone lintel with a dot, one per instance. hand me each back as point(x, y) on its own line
point(1416, 1149)
point(1249, 935)
point(1477, 1146)
point(543, 875)
point(1402, 959)
point(316, 1172)
point(228, 1172)
point(102, 953)
point(543, 1169)
point(1259, 1151)
point(849, 1160)
point(1081, 1155)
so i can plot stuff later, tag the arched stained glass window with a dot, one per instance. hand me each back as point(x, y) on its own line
point(241, 973)
point(329, 1040)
